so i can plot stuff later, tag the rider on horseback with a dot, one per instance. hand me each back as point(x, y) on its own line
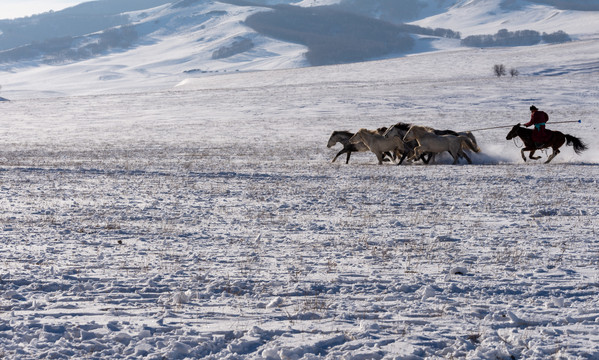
point(538, 118)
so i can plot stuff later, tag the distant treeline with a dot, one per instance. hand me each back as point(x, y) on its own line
point(515, 38)
point(438, 32)
point(67, 48)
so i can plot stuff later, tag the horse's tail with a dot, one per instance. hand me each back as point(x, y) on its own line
point(578, 145)
point(466, 140)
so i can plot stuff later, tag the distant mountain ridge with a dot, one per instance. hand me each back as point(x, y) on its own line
point(79, 20)
point(340, 32)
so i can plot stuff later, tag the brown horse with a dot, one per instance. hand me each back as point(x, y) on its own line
point(556, 141)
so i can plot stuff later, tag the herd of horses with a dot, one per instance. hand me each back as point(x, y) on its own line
point(422, 143)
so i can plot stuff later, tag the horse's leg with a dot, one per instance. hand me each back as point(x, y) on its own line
point(465, 156)
point(338, 154)
point(390, 155)
point(456, 157)
point(348, 156)
point(387, 156)
point(532, 152)
point(416, 154)
point(380, 157)
point(403, 157)
point(424, 159)
point(555, 152)
point(346, 149)
point(398, 155)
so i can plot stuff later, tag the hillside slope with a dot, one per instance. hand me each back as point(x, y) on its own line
point(163, 42)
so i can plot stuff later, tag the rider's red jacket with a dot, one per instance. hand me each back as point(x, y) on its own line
point(538, 119)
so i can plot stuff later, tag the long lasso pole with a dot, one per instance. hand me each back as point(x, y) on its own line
point(507, 126)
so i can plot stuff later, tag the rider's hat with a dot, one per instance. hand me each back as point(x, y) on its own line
point(533, 108)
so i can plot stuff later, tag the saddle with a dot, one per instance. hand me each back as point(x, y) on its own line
point(544, 142)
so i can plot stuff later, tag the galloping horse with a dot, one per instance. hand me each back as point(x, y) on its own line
point(433, 143)
point(378, 143)
point(399, 130)
point(343, 138)
point(463, 133)
point(556, 140)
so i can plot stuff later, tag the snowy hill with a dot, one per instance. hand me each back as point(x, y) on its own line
point(110, 44)
point(487, 16)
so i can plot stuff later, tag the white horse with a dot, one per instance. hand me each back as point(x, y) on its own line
point(400, 129)
point(343, 138)
point(378, 143)
point(430, 142)
point(461, 133)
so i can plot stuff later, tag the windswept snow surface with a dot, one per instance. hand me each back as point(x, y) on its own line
point(207, 220)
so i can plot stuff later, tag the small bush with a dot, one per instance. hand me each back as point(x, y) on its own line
point(499, 70)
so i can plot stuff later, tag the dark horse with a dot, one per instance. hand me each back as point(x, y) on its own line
point(556, 140)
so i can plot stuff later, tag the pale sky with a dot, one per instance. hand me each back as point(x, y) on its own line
point(10, 9)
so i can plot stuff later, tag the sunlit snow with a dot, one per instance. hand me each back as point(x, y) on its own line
point(149, 212)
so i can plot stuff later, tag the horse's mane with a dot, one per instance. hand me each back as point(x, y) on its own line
point(522, 130)
point(446, 132)
point(421, 129)
point(343, 132)
point(399, 126)
point(369, 131)
point(402, 126)
point(363, 130)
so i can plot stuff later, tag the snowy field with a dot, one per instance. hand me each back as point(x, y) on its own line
point(207, 220)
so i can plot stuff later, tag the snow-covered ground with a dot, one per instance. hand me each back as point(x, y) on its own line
point(207, 221)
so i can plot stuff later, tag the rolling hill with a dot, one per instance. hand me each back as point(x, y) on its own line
point(114, 44)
